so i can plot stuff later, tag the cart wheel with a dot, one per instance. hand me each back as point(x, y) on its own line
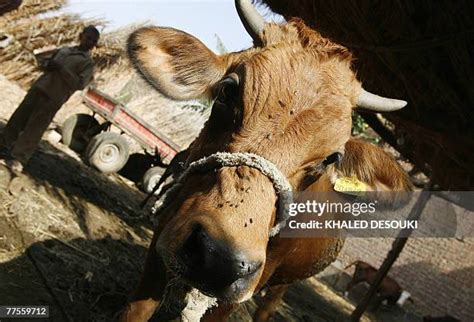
point(151, 178)
point(107, 152)
point(77, 130)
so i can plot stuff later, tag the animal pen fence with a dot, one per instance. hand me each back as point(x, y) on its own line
point(420, 51)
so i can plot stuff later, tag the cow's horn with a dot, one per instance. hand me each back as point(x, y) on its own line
point(252, 20)
point(377, 103)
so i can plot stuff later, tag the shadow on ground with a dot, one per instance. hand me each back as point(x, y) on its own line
point(66, 179)
point(75, 286)
point(80, 288)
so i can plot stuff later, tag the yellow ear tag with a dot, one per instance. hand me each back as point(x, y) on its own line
point(351, 186)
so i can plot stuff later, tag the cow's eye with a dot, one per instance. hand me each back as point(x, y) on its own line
point(225, 111)
point(227, 89)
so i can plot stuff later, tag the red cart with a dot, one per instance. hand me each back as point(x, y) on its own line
point(109, 151)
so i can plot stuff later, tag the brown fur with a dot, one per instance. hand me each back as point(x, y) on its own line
point(374, 166)
point(296, 95)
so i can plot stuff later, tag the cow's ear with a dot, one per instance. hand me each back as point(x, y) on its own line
point(177, 64)
point(374, 167)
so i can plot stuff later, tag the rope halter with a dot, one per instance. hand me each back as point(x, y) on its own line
point(217, 160)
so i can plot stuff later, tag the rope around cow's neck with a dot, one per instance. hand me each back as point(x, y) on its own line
point(280, 183)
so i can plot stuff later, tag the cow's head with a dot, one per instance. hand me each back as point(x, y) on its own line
point(289, 100)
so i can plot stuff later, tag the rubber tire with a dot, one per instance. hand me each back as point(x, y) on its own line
point(151, 178)
point(107, 152)
point(73, 131)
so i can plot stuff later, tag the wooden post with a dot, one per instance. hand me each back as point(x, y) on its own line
point(381, 130)
point(392, 256)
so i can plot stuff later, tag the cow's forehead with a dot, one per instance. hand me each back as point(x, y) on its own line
point(297, 35)
point(294, 50)
point(297, 73)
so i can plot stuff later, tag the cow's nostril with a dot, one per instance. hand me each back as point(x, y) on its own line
point(246, 269)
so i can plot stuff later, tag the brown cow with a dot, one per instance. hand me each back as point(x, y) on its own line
point(289, 100)
point(389, 290)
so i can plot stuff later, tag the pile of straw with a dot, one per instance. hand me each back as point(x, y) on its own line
point(31, 32)
point(31, 8)
point(421, 51)
point(17, 61)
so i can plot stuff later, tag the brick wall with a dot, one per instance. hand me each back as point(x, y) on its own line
point(438, 272)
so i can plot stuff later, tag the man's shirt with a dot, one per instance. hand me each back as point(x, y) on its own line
point(76, 72)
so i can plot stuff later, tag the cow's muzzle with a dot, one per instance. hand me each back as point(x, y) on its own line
point(214, 268)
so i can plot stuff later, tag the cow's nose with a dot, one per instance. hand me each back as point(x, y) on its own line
point(211, 264)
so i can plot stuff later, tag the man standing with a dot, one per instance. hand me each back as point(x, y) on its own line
point(70, 69)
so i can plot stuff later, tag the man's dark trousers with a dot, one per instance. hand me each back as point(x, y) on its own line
point(28, 123)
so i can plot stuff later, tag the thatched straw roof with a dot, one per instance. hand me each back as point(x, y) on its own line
point(422, 51)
